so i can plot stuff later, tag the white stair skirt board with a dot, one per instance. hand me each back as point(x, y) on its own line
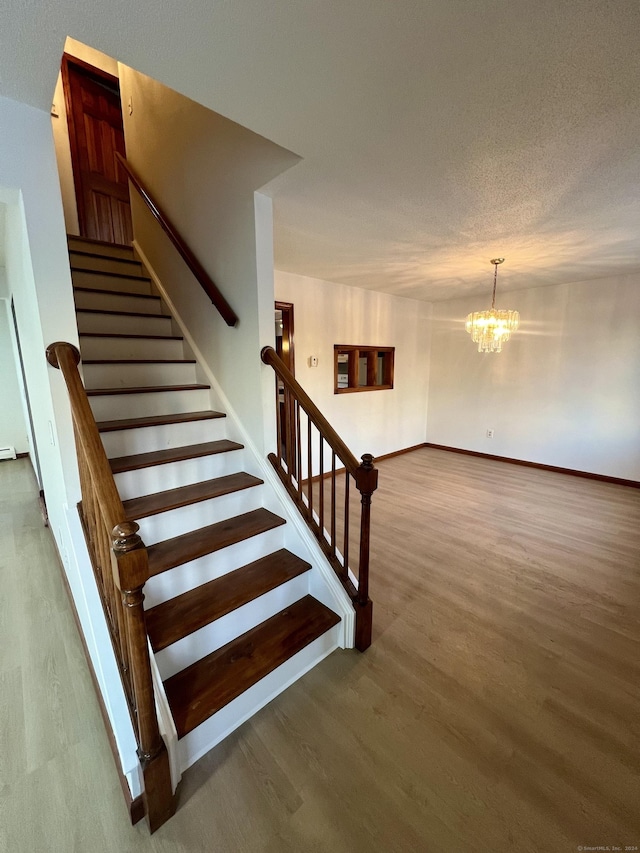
point(125, 324)
point(128, 284)
point(110, 347)
point(174, 582)
point(198, 742)
point(207, 639)
point(146, 481)
point(148, 404)
point(7, 452)
point(111, 249)
point(126, 442)
point(83, 259)
point(138, 375)
point(183, 519)
point(102, 301)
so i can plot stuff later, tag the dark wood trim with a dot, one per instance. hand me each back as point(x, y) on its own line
point(201, 275)
point(619, 481)
point(135, 805)
point(327, 475)
point(287, 307)
point(21, 455)
point(354, 353)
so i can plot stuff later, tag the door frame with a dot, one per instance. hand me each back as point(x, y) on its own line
point(99, 76)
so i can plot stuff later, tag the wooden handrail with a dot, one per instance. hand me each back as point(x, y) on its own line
point(202, 276)
point(121, 567)
point(270, 356)
point(289, 465)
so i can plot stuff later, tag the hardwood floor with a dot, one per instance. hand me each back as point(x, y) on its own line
point(497, 709)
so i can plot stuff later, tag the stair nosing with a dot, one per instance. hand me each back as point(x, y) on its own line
point(268, 521)
point(144, 389)
point(187, 495)
point(174, 454)
point(157, 420)
point(269, 578)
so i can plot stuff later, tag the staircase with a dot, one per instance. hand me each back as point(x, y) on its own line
point(228, 607)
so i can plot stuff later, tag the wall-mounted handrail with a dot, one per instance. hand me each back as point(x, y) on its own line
point(300, 463)
point(202, 276)
point(121, 568)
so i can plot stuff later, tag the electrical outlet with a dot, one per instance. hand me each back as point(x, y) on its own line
point(489, 433)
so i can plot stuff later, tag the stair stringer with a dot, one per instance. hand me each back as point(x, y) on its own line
point(323, 582)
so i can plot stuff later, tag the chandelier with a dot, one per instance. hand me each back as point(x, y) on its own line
point(490, 329)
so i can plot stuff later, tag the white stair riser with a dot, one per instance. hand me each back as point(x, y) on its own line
point(99, 263)
point(183, 578)
point(104, 249)
point(145, 348)
point(175, 522)
point(137, 375)
point(217, 634)
point(117, 301)
point(124, 324)
point(146, 481)
point(198, 742)
point(102, 281)
point(126, 442)
point(116, 406)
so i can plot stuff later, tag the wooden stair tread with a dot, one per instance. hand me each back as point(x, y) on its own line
point(190, 546)
point(120, 335)
point(95, 242)
point(86, 254)
point(173, 454)
point(147, 505)
point(111, 274)
point(208, 685)
point(158, 420)
point(138, 361)
point(180, 616)
point(108, 312)
point(145, 389)
point(108, 292)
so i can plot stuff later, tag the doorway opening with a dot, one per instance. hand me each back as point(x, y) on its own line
point(285, 403)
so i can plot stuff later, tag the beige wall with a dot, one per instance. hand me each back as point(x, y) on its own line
point(203, 170)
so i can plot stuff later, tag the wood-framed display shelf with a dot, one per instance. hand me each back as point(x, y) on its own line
point(368, 368)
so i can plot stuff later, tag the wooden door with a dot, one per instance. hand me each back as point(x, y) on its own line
point(95, 134)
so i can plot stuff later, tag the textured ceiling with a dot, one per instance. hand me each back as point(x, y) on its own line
point(435, 134)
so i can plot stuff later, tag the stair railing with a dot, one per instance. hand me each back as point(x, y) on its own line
point(316, 468)
point(121, 568)
point(202, 276)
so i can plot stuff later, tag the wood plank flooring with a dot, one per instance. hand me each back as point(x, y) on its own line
point(497, 709)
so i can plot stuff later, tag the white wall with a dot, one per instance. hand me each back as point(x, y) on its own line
point(203, 170)
point(325, 314)
point(38, 278)
point(564, 391)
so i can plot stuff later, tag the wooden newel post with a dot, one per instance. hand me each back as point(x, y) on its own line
point(130, 573)
point(367, 483)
